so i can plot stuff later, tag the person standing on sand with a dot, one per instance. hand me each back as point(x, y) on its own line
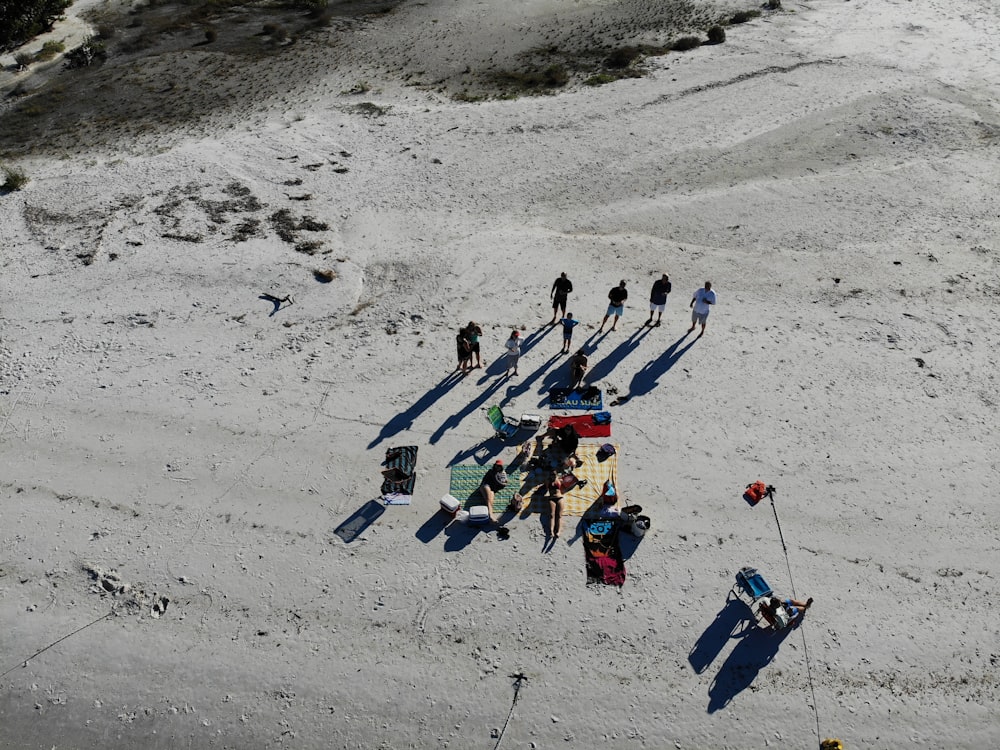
point(464, 349)
point(474, 332)
point(658, 299)
point(568, 325)
point(554, 493)
point(561, 288)
point(577, 368)
point(616, 298)
point(513, 347)
point(700, 307)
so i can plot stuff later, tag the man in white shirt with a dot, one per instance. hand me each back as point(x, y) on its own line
point(701, 306)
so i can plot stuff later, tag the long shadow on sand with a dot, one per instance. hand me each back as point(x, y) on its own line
point(616, 356)
point(456, 419)
point(404, 420)
point(754, 651)
point(522, 386)
point(560, 375)
point(499, 366)
point(648, 377)
point(731, 622)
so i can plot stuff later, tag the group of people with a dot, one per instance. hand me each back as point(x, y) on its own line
point(468, 347)
point(701, 305)
point(468, 336)
point(559, 460)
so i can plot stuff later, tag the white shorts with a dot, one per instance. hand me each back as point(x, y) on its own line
point(700, 318)
point(657, 308)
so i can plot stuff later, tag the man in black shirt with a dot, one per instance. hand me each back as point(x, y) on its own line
point(658, 299)
point(616, 297)
point(561, 288)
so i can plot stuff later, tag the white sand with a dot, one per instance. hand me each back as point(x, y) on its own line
point(156, 421)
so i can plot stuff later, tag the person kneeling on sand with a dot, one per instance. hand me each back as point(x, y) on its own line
point(494, 481)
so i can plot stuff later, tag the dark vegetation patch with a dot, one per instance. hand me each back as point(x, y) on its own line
point(162, 66)
point(602, 50)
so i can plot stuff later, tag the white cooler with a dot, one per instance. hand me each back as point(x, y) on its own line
point(450, 505)
point(479, 515)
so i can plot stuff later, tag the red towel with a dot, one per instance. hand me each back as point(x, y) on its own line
point(583, 424)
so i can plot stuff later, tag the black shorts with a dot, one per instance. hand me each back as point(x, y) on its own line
point(559, 302)
point(475, 347)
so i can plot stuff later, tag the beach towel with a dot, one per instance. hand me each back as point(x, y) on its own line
point(362, 518)
point(584, 425)
point(464, 487)
point(399, 473)
point(603, 552)
point(580, 399)
point(579, 501)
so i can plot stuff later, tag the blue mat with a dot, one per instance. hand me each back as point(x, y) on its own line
point(585, 399)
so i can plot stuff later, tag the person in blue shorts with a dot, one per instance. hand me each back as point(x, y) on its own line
point(616, 306)
point(568, 325)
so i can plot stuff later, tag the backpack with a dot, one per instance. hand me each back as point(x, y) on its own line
point(756, 492)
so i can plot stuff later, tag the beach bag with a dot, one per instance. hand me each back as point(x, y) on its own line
point(602, 417)
point(755, 492)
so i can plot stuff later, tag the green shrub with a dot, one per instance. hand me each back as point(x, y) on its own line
point(90, 52)
point(623, 57)
point(23, 60)
point(210, 36)
point(743, 16)
point(600, 79)
point(14, 179)
point(716, 35)
point(49, 50)
point(685, 43)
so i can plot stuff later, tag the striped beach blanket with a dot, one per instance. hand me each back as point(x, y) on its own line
point(579, 501)
point(464, 486)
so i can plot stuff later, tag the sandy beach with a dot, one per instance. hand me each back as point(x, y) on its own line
point(179, 445)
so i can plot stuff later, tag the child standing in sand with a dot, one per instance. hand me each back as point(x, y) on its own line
point(513, 347)
point(568, 324)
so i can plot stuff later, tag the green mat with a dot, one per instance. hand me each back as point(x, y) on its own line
point(465, 481)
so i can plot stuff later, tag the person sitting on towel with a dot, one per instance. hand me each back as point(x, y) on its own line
point(565, 439)
point(494, 481)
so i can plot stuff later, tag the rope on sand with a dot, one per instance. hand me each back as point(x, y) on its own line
point(519, 679)
point(791, 582)
point(24, 662)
